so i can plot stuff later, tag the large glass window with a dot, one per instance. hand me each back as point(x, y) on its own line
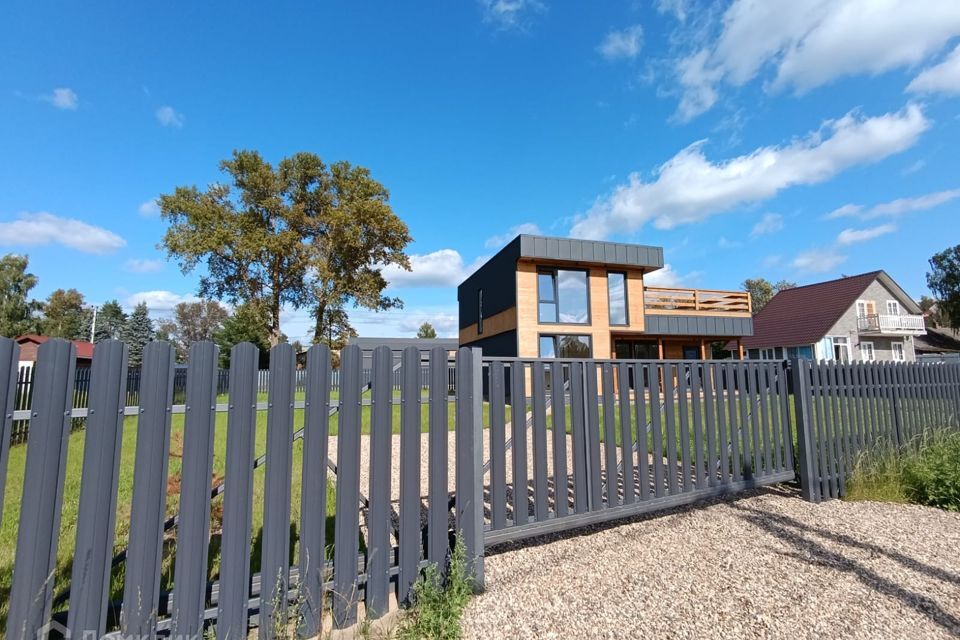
point(564, 346)
point(562, 296)
point(617, 295)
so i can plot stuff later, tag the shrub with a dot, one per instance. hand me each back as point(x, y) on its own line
point(933, 477)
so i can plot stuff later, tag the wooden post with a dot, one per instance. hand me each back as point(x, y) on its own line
point(660, 348)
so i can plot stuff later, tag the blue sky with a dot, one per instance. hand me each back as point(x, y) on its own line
point(784, 139)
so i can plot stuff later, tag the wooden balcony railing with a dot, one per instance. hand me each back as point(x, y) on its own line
point(705, 301)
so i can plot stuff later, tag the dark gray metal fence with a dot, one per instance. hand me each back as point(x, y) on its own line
point(592, 441)
point(844, 409)
point(566, 443)
point(24, 389)
point(366, 512)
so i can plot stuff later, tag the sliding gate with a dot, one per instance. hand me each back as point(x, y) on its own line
point(577, 442)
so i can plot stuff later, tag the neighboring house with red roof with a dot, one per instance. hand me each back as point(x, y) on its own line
point(867, 317)
point(30, 342)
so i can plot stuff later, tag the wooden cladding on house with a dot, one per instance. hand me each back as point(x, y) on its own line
point(598, 328)
point(492, 325)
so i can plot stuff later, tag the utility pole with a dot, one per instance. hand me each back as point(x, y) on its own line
point(93, 325)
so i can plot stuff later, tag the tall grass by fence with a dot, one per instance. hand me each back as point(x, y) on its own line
point(538, 446)
point(846, 408)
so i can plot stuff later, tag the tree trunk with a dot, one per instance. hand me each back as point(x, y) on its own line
point(275, 322)
point(320, 312)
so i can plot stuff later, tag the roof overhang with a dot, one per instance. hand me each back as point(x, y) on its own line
point(594, 252)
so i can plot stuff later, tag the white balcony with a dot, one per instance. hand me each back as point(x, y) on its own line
point(890, 324)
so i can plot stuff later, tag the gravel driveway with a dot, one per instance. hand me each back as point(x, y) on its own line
point(766, 565)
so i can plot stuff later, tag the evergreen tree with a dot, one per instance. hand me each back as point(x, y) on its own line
point(249, 323)
point(137, 333)
point(426, 330)
point(110, 322)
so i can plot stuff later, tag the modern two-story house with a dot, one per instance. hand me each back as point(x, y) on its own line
point(866, 318)
point(562, 297)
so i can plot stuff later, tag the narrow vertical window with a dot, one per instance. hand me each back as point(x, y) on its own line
point(617, 297)
point(479, 311)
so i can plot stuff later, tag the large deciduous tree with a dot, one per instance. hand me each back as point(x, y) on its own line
point(943, 279)
point(65, 315)
point(762, 291)
point(192, 322)
point(303, 234)
point(335, 330)
point(17, 310)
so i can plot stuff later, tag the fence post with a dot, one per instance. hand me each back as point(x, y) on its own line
point(9, 358)
point(469, 472)
point(90, 577)
point(799, 373)
point(35, 561)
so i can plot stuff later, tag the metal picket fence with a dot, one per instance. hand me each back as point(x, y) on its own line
point(592, 441)
point(844, 409)
point(391, 530)
point(491, 450)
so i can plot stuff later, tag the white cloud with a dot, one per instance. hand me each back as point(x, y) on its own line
point(441, 268)
point(914, 167)
point(845, 211)
point(395, 323)
point(897, 207)
point(625, 43)
point(818, 260)
point(852, 236)
point(811, 43)
point(769, 223)
point(901, 206)
point(941, 78)
point(529, 228)
point(677, 7)
point(158, 302)
point(665, 277)
point(62, 98)
point(42, 228)
point(509, 14)
point(689, 188)
point(149, 209)
point(140, 265)
point(170, 117)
